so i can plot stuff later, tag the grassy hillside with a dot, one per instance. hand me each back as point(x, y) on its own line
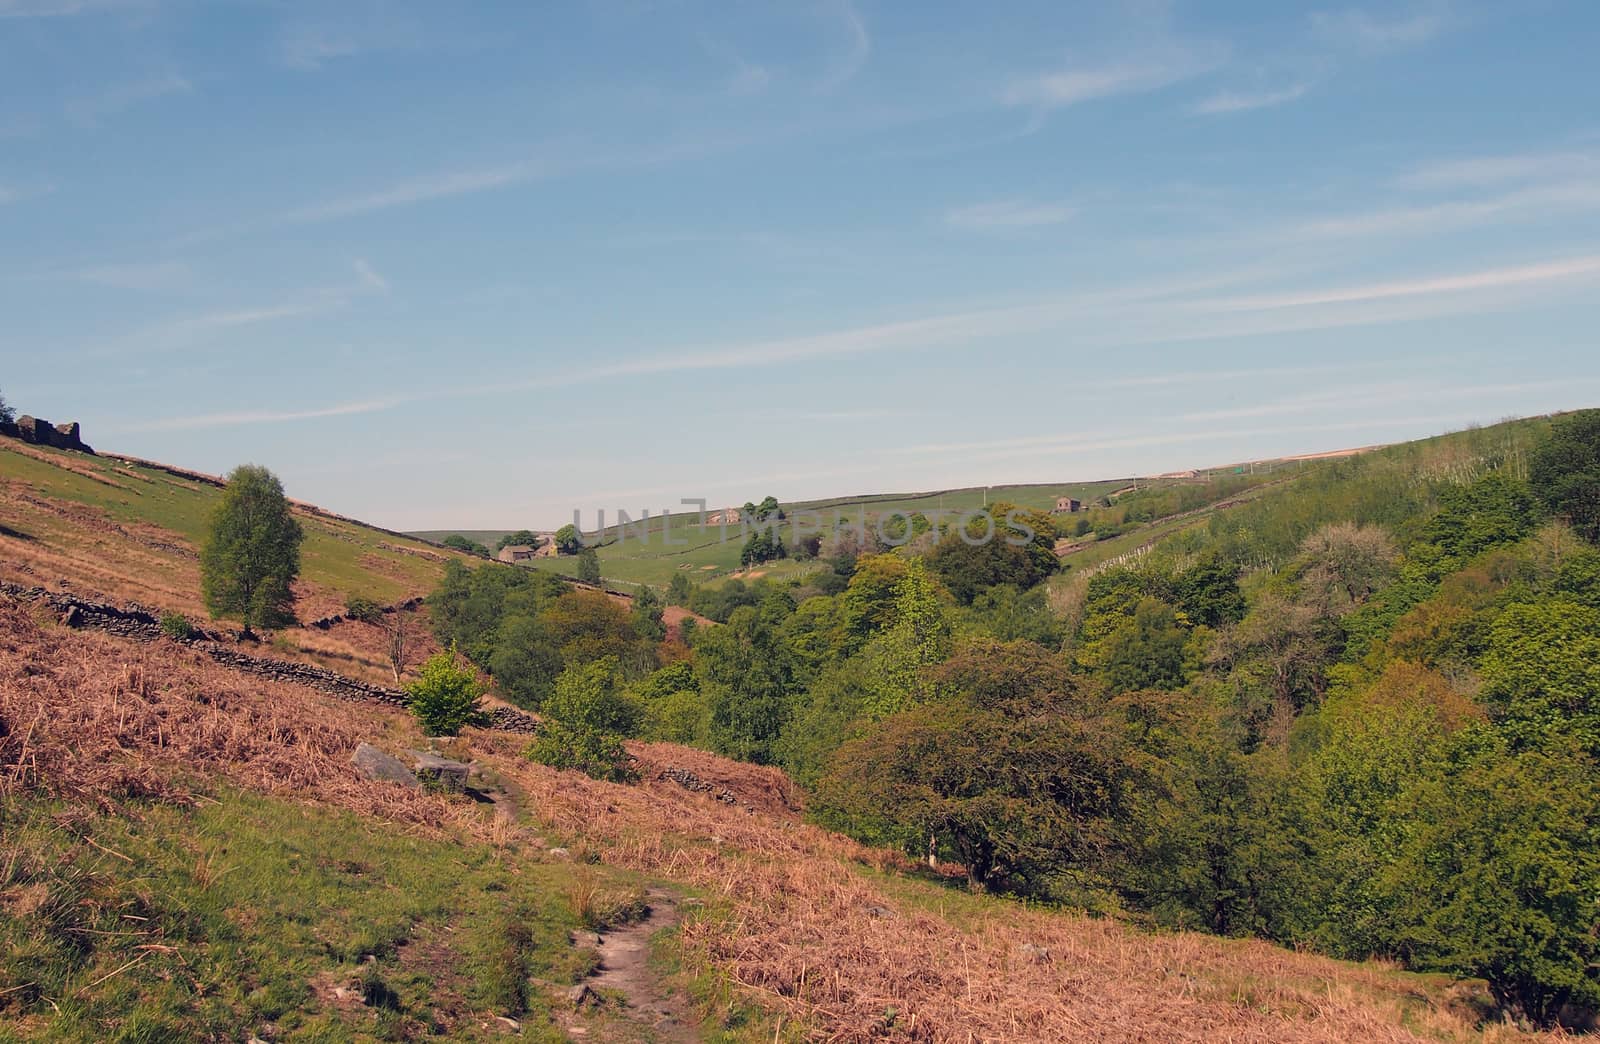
point(187, 854)
point(706, 554)
point(132, 530)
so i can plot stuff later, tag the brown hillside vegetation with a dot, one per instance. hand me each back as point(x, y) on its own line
point(844, 942)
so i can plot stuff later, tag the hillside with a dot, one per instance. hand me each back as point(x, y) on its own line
point(191, 797)
point(649, 553)
point(129, 531)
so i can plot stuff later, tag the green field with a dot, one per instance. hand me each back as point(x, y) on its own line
point(339, 555)
point(709, 553)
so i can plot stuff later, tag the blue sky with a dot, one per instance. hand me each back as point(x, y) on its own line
point(477, 265)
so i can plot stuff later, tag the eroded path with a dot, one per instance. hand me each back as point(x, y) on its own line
point(648, 1010)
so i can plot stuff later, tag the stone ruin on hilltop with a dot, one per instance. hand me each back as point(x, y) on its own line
point(43, 433)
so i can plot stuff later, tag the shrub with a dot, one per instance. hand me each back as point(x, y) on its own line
point(598, 755)
point(367, 610)
point(445, 696)
point(176, 626)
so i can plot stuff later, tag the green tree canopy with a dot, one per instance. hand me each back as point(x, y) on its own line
point(524, 537)
point(1565, 472)
point(568, 539)
point(461, 543)
point(251, 555)
point(444, 696)
point(589, 566)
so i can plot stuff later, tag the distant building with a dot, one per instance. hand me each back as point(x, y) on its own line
point(725, 517)
point(516, 553)
point(1067, 506)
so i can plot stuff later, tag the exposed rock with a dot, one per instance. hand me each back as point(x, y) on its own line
point(375, 765)
point(41, 432)
point(879, 912)
point(583, 938)
point(449, 776)
point(561, 853)
point(581, 995)
point(508, 1024)
point(689, 781)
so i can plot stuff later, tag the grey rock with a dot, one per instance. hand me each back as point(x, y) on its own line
point(447, 775)
point(375, 765)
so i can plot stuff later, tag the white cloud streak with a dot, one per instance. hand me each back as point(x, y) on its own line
point(1000, 215)
point(1225, 102)
point(1492, 279)
point(1369, 32)
point(420, 190)
point(1479, 171)
point(246, 417)
point(91, 109)
point(858, 48)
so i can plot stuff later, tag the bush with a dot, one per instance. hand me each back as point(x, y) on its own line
point(176, 626)
point(445, 696)
point(598, 755)
point(366, 610)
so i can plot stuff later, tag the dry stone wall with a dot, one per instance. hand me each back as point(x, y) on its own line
point(141, 623)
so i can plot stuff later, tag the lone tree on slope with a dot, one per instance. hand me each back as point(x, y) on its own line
point(252, 552)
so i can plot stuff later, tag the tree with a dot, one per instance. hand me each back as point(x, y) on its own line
point(568, 539)
point(901, 659)
point(968, 568)
point(1565, 472)
point(7, 414)
point(399, 636)
point(747, 673)
point(1541, 673)
point(1008, 776)
point(523, 537)
point(649, 615)
point(444, 697)
point(586, 719)
point(1146, 649)
point(525, 660)
point(589, 697)
point(1500, 876)
point(1344, 564)
point(589, 566)
point(460, 543)
point(589, 625)
point(679, 590)
point(252, 551)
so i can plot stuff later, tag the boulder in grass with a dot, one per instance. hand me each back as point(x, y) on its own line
point(375, 765)
point(441, 773)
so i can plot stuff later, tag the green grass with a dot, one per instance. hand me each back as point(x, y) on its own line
point(708, 554)
point(343, 556)
point(251, 910)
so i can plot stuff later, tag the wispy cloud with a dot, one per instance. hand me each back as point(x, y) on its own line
point(852, 58)
point(1492, 279)
point(146, 275)
point(420, 190)
point(90, 109)
point(369, 277)
point(1537, 201)
point(1008, 214)
point(1384, 393)
point(1225, 102)
point(1477, 171)
point(1081, 83)
point(311, 45)
point(1361, 29)
point(244, 417)
point(185, 330)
